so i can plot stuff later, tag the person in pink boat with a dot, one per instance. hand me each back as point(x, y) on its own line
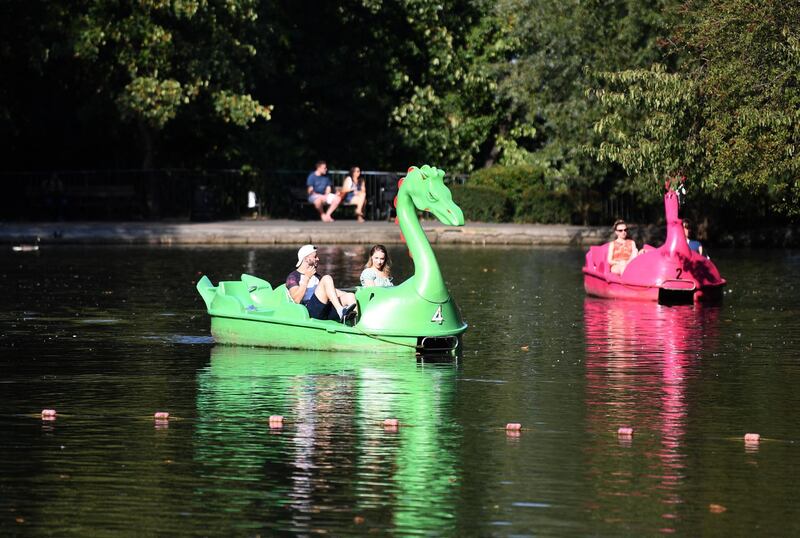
point(621, 250)
point(694, 244)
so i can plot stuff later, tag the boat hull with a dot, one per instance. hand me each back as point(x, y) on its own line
point(327, 336)
point(249, 312)
point(656, 274)
point(599, 285)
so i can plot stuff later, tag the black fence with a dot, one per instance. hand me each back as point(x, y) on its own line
point(122, 194)
point(167, 194)
point(381, 188)
point(627, 207)
point(203, 195)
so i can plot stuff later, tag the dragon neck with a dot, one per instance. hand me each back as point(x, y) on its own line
point(676, 238)
point(428, 280)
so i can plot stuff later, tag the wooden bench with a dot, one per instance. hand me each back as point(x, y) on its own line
point(301, 208)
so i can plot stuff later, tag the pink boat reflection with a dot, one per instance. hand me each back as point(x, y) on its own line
point(671, 273)
point(641, 360)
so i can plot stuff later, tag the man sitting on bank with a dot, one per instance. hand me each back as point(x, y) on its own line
point(317, 294)
point(320, 191)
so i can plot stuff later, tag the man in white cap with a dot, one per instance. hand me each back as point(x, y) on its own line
point(318, 294)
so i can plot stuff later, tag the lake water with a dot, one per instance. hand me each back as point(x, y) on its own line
point(109, 336)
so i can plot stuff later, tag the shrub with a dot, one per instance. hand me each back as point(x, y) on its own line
point(482, 203)
point(512, 180)
point(531, 200)
point(544, 206)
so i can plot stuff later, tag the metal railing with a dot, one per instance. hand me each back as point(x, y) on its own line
point(173, 193)
point(170, 193)
point(214, 194)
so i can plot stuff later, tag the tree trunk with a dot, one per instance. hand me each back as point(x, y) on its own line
point(495, 151)
point(148, 149)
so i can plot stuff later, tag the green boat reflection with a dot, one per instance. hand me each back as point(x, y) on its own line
point(333, 449)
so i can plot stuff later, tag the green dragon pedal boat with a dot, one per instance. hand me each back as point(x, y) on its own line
point(418, 315)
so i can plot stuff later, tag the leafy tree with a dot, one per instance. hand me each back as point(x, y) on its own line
point(450, 110)
point(562, 46)
point(329, 77)
point(727, 115)
point(155, 57)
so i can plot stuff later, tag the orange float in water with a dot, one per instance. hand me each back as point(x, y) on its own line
point(625, 432)
point(752, 438)
point(275, 421)
point(513, 426)
point(161, 415)
point(48, 413)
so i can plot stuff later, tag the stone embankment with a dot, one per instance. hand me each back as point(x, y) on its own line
point(287, 232)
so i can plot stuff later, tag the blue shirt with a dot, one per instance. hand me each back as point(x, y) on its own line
point(319, 183)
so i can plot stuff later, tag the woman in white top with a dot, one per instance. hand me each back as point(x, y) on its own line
point(377, 272)
point(354, 192)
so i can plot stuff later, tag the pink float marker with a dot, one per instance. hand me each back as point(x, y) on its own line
point(161, 415)
point(48, 414)
point(276, 422)
point(513, 426)
point(752, 438)
point(625, 432)
point(391, 423)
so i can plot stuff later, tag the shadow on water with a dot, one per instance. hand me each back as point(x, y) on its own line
point(334, 448)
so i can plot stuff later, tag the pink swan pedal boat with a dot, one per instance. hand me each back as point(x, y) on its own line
point(669, 274)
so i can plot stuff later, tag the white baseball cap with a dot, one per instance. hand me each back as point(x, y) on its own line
point(304, 251)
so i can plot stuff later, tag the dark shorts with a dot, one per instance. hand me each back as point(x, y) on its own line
point(317, 310)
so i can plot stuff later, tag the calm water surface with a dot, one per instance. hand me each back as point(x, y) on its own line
point(108, 336)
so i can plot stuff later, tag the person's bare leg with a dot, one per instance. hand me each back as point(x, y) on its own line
point(326, 292)
point(334, 204)
point(345, 297)
point(318, 206)
point(361, 201)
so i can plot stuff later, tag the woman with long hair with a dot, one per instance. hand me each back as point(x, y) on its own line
point(621, 250)
point(377, 271)
point(354, 192)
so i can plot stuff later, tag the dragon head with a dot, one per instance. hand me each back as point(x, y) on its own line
point(428, 192)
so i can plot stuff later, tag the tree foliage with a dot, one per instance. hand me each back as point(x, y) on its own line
point(596, 95)
point(561, 47)
point(727, 115)
point(156, 56)
point(449, 108)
